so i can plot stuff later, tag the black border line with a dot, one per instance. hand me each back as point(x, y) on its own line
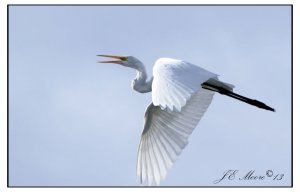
point(153, 5)
point(156, 5)
point(292, 63)
point(7, 104)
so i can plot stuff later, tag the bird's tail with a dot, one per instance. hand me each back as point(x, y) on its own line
point(227, 89)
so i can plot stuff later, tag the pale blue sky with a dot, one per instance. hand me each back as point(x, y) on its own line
point(76, 122)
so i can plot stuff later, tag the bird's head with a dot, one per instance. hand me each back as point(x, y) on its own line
point(127, 61)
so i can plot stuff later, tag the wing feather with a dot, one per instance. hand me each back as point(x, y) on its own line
point(175, 81)
point(166, 134)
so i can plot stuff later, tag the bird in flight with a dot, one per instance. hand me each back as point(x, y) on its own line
point(181, 93)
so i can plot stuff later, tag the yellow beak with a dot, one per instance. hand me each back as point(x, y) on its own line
point(119, 61)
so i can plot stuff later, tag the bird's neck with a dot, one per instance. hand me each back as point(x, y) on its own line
point(140, 83)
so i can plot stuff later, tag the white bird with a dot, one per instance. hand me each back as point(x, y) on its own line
point(181, 93)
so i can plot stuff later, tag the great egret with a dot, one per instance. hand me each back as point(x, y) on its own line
point(181, 93)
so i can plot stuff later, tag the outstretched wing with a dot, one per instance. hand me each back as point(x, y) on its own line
point(175, 81)
point(166, 134)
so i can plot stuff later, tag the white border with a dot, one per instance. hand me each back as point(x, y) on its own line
point(3, 87)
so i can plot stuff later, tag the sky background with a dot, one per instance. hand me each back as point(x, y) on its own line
point(75, 122)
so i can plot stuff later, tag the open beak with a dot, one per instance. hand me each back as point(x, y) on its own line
point(118, 61)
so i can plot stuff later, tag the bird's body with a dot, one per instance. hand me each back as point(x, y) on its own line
point(181, 94)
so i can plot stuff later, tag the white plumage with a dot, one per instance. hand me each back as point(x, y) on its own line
point(166, 134)
point(179, 102)
point(181, 93)
point(175, 81)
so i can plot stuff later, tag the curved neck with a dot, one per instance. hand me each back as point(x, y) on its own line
point(140, 83)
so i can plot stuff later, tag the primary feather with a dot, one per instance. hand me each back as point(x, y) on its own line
point(166, 134)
